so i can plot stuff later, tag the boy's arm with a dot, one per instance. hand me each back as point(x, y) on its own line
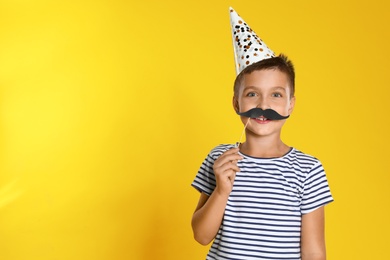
point(313, 235)
point(208, 216)
point(209, 212)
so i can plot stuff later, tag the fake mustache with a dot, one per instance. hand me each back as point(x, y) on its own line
point(268, 113)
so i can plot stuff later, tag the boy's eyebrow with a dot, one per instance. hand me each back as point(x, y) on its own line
point(279, 88)
point(273, 88)
point(249, 87)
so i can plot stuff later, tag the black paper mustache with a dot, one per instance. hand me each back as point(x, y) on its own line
point(268, 113)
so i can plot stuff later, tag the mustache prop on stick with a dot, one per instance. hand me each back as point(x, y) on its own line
point(268, 113)
point(257, 112)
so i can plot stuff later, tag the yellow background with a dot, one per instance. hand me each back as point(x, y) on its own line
point(107, 109)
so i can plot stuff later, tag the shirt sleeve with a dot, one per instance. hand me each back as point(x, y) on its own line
point(205, 179)
point(316, 192)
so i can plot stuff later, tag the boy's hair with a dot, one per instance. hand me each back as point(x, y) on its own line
point(281, 62)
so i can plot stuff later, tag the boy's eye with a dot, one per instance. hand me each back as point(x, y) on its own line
point(277, 95)
point(251, 94)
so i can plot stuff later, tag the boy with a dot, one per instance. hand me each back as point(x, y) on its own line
point(262, 199)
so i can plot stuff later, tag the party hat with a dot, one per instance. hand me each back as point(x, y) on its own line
point(248, 47)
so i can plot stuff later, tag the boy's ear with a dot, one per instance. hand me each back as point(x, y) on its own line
point(235, 105)
point(292, 104)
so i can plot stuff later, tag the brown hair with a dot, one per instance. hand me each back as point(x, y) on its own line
point(281, 62)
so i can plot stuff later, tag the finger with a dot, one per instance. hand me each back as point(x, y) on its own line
point(228, 166)
point(235, 168)
point(233, 165)
point(232, 150)
point(229, 152)
point(231, 175)
point(234, 156)
point(227, 158)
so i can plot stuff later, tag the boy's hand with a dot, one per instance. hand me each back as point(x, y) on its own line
point(225, 168)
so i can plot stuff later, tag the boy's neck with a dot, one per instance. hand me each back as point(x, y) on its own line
point(264, 147)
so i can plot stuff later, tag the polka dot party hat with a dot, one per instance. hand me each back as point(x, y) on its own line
point(248, 47)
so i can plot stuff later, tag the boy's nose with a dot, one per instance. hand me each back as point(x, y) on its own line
point(263, 104)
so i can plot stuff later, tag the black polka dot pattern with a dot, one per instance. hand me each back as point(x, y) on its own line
point(248, 47)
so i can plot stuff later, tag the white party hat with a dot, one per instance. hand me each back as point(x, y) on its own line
point(248, 47)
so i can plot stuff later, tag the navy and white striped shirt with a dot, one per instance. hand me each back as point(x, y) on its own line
point(263, 214)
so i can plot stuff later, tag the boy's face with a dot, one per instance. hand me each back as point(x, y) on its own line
point(265, 89)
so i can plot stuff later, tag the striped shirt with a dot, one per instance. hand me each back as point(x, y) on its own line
point(262, 218)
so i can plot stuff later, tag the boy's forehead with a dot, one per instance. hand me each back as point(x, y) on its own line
point(265, 77)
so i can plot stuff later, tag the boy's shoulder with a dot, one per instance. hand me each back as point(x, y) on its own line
point(220, 149)
point(304, 158)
